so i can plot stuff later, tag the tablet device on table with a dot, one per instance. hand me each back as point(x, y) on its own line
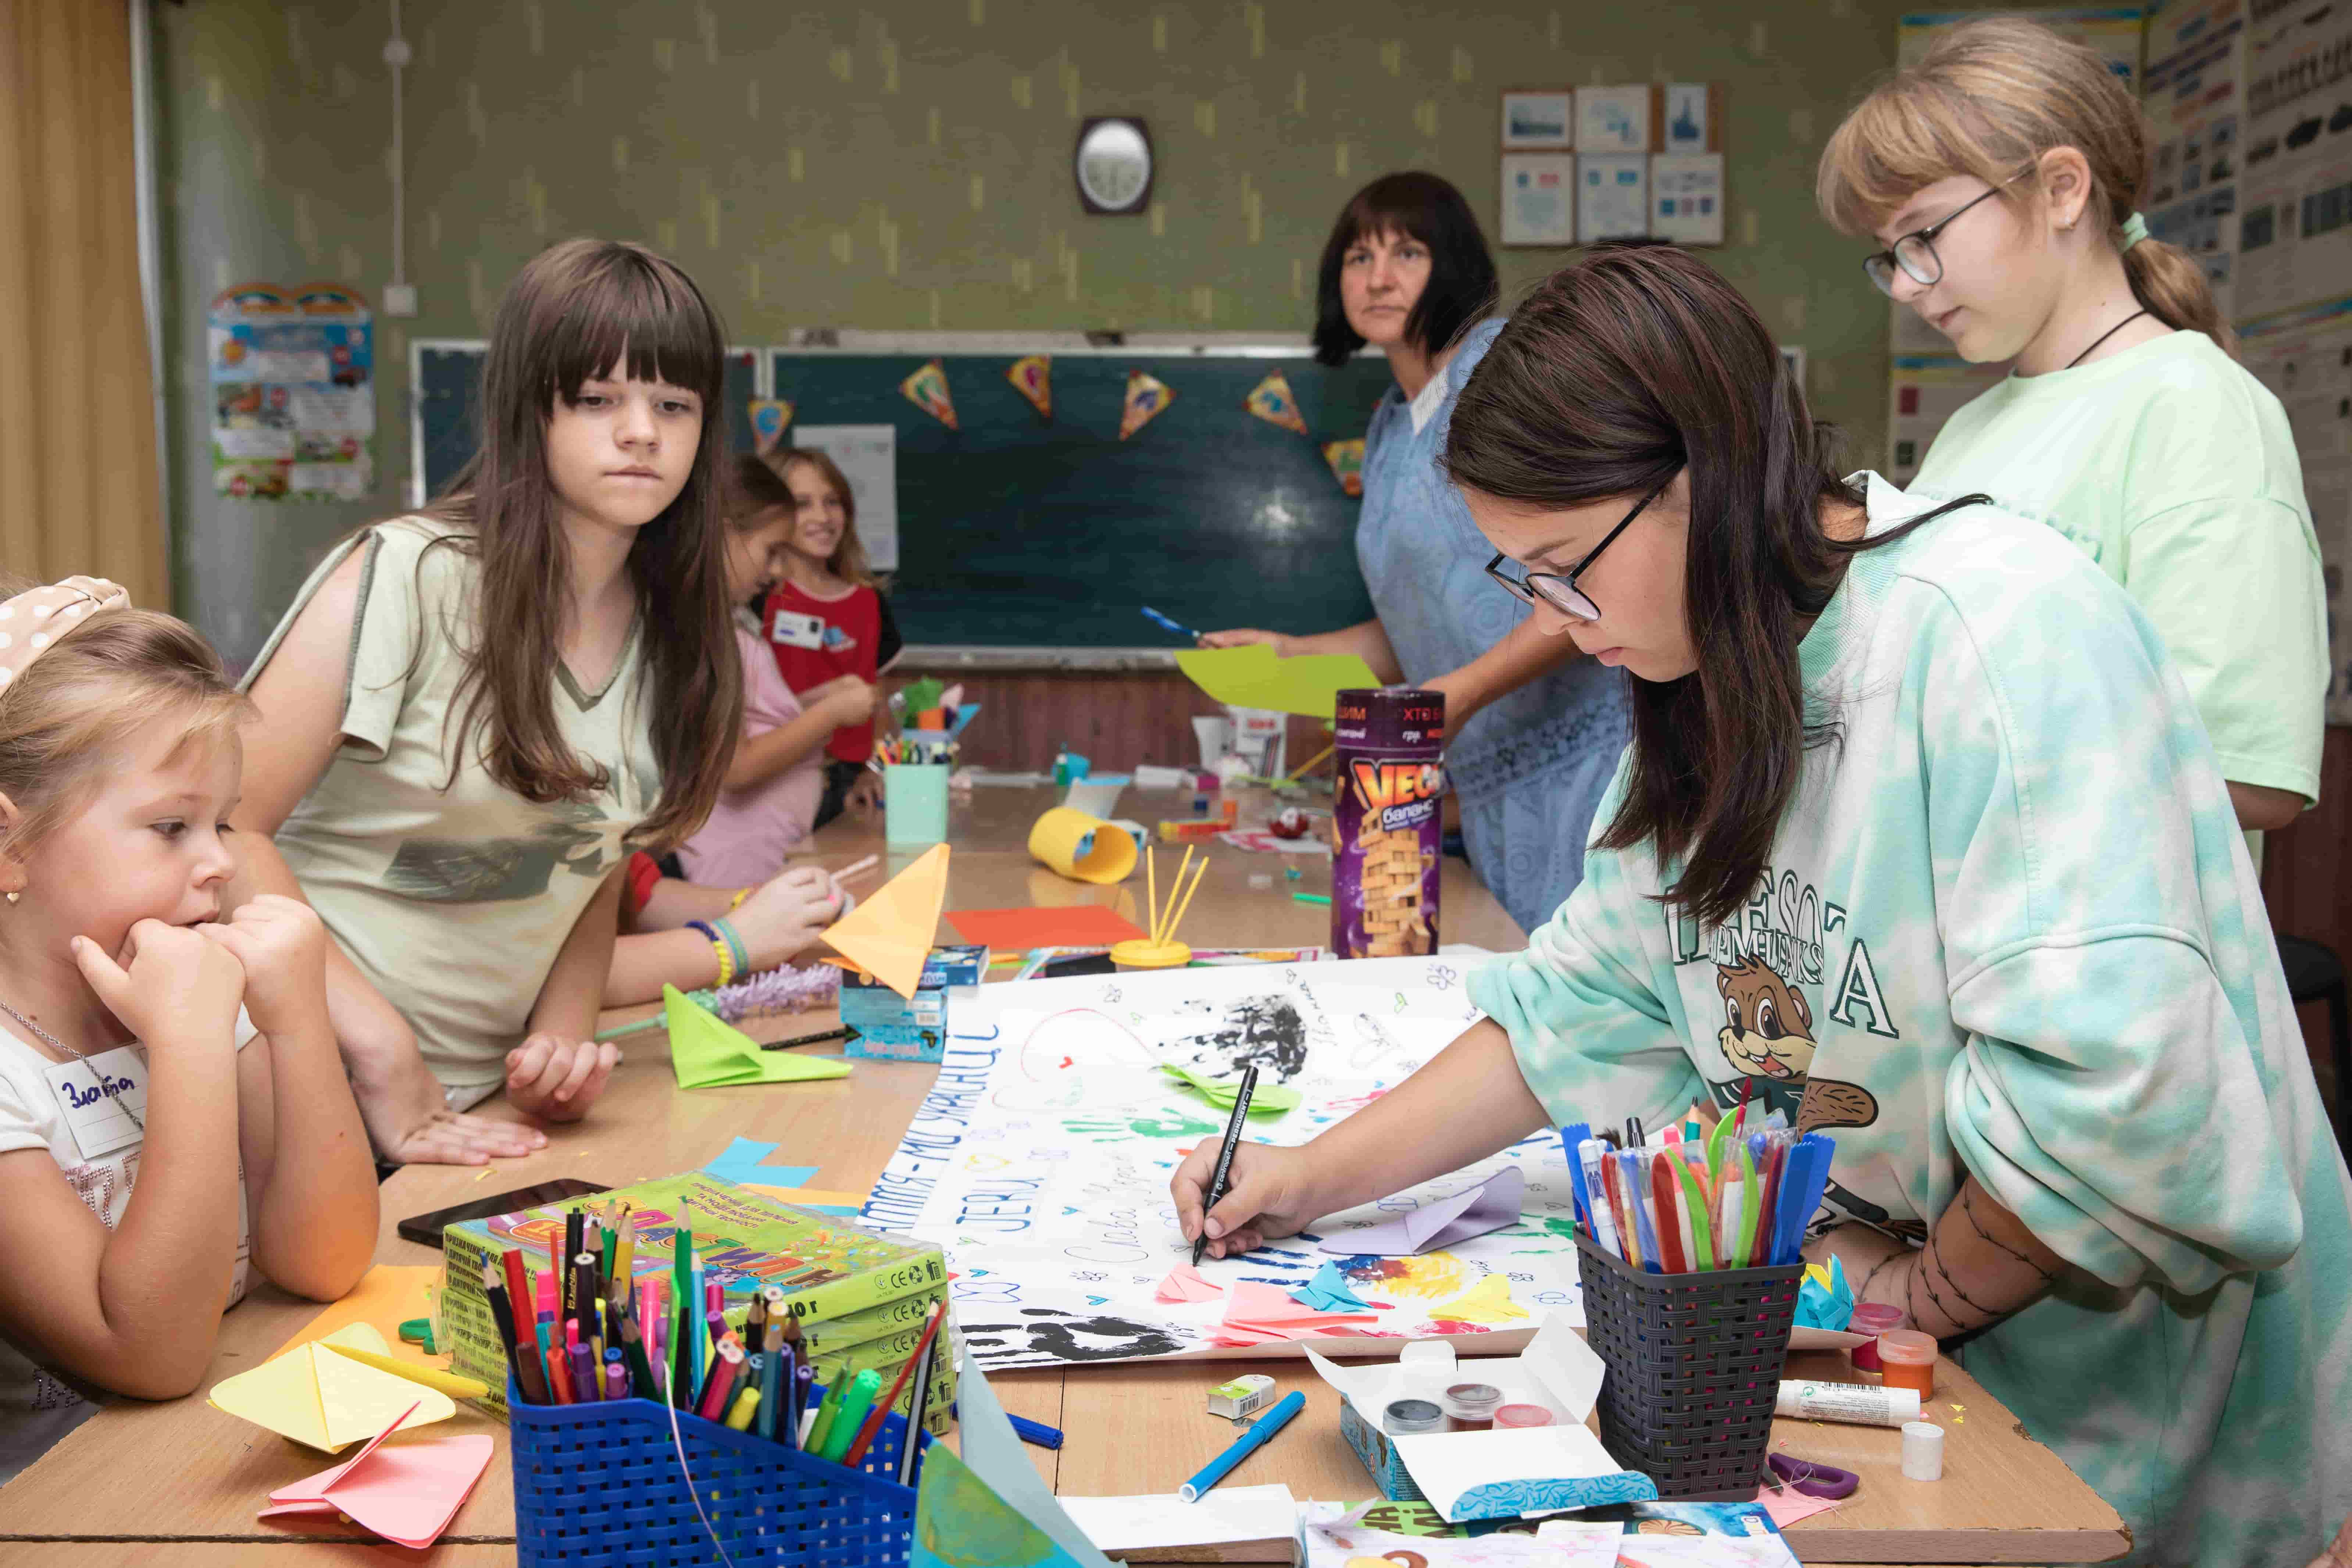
point(426, 1228)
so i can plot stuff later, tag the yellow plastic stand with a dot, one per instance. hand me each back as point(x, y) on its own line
point(1134, 953)
point(1084, 848)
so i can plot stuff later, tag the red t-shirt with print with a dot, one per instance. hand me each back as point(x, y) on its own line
point(816, 640)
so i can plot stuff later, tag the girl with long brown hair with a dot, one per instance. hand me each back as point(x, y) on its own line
point(469, 715)
point(1919, 835)
point(2004, 174)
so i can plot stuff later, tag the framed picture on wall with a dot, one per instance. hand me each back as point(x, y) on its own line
point(1539, 117)
point(1538, 198)
point(1687, 197)
point(1613, 196)
point(1616, 119)
point(1690, 118)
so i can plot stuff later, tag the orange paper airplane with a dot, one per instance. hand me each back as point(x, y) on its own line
point(889, 935)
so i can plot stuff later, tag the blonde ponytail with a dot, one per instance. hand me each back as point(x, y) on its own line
point(1991, 98)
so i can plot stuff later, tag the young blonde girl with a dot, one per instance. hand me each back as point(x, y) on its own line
point(173, 1111)
point(2003, 172)
point(825, 618)
point(470, 714)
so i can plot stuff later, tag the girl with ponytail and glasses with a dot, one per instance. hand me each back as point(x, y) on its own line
point(2003, 175)
point(1919, 834)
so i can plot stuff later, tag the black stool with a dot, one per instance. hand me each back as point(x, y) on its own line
point(2314, 974)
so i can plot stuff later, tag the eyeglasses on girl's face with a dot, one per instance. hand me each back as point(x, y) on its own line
point(1915, 253)
point(1557, 589)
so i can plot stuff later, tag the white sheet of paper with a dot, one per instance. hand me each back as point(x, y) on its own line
point(1445, 1464)
point(1164, 1519)
point(1612, 196)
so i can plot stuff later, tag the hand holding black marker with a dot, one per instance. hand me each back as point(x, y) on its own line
point(1217, 1183)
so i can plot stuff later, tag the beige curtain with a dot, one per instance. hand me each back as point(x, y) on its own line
point(79, 489)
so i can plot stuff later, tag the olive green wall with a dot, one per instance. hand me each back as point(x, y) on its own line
point(906, 164)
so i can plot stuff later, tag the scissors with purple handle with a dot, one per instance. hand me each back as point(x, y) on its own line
point(1812, 1478)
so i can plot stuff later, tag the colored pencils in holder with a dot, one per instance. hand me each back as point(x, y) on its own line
point(865, 1433)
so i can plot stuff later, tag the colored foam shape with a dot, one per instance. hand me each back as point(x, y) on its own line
point(1082, 847)
point(889, 935)
point(1186, 1283)
point(740, 1163)
point(1266, 1099)
point(1256, 677)
point(328, 1400)
point(1328, 1291)
point(406, 1493)
point(1019, 930)
point(707, 1052)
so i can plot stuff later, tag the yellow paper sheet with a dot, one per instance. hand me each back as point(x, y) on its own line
point(320, 1397)
point(1256, 676)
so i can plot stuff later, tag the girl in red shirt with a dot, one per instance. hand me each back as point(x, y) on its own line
point(825, 618)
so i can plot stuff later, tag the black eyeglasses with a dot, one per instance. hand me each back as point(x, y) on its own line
point(1915, 251)
point(1558, 591)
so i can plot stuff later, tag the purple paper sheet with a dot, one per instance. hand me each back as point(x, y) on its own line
point(1490, 1206)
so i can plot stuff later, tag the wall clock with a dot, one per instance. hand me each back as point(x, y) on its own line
point(1113, 165)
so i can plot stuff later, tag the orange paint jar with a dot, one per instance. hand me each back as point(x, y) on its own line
point(1907, 1360)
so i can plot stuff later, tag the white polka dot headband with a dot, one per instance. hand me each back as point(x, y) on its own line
point(34, 620)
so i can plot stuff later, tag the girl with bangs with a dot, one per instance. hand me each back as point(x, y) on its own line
point(1532, 728)
point(2004, 174)
point(470, 715)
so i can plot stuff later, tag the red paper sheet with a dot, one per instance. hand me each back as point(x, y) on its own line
point(1017, 931)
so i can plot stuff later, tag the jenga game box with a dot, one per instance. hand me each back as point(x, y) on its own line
point(1386, 826)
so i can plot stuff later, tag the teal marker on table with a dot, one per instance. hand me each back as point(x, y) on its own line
point(1248, 1443)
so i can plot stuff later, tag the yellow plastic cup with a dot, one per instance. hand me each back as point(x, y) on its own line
point(1082, 847)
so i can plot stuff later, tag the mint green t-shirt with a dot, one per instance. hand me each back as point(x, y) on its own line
point(2008, 928)
point(2175, 471)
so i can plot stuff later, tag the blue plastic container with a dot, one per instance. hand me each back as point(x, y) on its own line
point(598, 1484)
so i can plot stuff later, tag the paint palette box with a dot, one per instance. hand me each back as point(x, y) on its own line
point(891, 1028)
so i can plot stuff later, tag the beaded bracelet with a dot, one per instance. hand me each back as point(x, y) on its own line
point(734, 938)
point(720, 945)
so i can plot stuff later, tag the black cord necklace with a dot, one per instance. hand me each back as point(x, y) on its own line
point(2102, 337)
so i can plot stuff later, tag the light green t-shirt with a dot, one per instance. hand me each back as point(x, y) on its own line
point(451, 892)
point(2007, 929)
point(2175, 471)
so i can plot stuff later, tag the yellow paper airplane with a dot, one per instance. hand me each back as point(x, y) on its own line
point(319, 1395)
point(889, 935)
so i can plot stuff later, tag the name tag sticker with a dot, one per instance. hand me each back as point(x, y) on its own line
point(103, 1099)
point(794, 629)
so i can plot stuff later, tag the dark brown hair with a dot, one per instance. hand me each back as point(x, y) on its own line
point(753, 490)
point(1990, 99)
point(574, 312)
point(1621, 371)
point(848, 561)
point(1462, 281)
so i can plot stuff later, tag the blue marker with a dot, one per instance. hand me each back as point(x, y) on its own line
point(1037, 1431)
point(1249, 1442)
point(1164, 624)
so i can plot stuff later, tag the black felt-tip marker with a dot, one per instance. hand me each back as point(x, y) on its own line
point(1225, 1158)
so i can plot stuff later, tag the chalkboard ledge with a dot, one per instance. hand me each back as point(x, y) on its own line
point(953, 656)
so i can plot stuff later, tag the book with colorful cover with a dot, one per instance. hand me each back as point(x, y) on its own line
point(849, 1288)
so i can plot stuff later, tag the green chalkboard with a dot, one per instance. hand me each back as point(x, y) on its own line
point(1015, 530)
point(445, 386)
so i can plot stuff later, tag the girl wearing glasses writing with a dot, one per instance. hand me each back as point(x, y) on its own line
point(1918, 833)
point(1533, 731)
point(2002, 174)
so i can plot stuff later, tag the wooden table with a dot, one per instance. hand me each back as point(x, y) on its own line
point(180, 1482)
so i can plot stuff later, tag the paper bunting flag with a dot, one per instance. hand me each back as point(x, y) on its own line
point(1148, 397)
point(926, 389)
point(771, 417)
point(889, 935)
point(1032, 374)
point(1271, 401)
point(328, 1400)
point(406, 1493)
point(1347, 460)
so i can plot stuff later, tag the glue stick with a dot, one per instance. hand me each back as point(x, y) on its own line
point(1864, 1404)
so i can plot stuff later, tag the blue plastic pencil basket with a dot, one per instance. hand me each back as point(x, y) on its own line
point(599, 1484)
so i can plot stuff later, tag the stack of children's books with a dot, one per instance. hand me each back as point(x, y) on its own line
point(859, 1296)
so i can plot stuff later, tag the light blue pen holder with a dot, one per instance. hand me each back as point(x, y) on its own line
point(915, 804)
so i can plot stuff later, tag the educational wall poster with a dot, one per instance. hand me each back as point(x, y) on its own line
point(2305, 359)
point(2194, 95)
point(2294, 237)
point(1615, 118)
point(1687, 197)
point(2113, 30)
point(1538, 118)
point(1538, 198)
point(1690, 121)
point(1612, 196)
point(1924, 391)
point(293, 393)
point(868, 458)
point(1041, 1160)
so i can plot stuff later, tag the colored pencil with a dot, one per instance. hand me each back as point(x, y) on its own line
point(865, 1433)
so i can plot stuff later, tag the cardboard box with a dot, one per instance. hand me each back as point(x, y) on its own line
point(892, 1028)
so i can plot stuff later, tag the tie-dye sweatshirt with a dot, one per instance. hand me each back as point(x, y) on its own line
point(2009, 929)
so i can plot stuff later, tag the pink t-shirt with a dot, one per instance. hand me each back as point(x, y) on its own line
point(752, 829)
